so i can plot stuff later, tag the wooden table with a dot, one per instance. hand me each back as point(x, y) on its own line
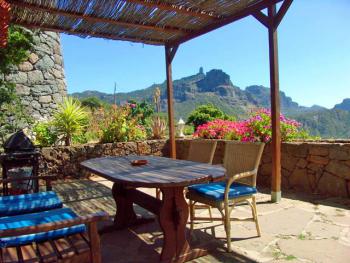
point(171, 176)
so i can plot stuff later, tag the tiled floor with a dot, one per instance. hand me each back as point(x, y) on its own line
point(301, 228)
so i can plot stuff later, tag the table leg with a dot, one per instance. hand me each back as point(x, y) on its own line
point(173, 216)
point(125, 215)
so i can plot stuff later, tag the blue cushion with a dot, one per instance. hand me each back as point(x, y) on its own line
point(29, 203)
point(216, 191)
point(34, 219)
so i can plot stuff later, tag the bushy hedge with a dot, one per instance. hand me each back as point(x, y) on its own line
point(256, 128)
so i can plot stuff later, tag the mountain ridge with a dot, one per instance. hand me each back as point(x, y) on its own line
point(216, 87)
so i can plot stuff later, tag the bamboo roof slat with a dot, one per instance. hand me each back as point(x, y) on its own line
point(155, 22)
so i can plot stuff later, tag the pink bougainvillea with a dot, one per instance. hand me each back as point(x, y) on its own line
point(256, 128)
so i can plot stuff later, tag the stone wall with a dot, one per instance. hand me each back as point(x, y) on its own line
point(40, 80)
point(64, 161)
point(312, 167)
point(322, 168)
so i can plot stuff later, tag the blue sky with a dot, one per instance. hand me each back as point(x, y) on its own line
point(314, 56)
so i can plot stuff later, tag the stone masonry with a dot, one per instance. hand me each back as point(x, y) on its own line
point(40, 81)
point(309, 167)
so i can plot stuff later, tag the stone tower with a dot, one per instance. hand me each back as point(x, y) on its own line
point(40, 81)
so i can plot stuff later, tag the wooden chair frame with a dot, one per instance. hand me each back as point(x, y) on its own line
point(92, 254)
point(225, 207)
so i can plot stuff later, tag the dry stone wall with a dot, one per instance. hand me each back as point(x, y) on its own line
point(40, 81)
point(64, 161)
point(312, 167)
point(322, 168)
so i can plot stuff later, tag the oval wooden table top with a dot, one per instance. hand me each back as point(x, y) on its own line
point(158, 172)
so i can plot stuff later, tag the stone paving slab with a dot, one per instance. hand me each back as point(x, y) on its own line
point(301, 228)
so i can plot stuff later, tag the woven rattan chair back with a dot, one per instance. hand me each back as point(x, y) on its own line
point(242, 157)
point(202, 151)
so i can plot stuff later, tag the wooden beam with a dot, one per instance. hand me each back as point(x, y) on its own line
point(262, 18)
point(282, 11)
point(169, 56)
point(275, 107)
point(174, 8)
point(225, 21)
point(96, 19)
point(4, 22)
point(88, 34)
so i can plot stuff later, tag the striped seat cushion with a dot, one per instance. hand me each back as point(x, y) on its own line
point(29, 203)
point(216, 191)
point(35, 219)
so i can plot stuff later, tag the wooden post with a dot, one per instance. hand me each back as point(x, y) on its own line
point(275, 107)
point(169, 55)
point(4, 22)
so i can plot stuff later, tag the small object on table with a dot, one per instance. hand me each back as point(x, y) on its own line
point(139, 162)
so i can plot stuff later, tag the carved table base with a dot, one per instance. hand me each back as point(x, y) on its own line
point(172, 213)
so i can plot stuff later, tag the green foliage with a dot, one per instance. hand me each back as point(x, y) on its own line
point(141, 112)
point(206, 113)
point(189, 130)
point(12, 115)
point(117, 126)
point(20, 41)
point(45, 134)
point(71, 119)
point(93, 103)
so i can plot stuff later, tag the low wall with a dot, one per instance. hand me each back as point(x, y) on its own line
point(311, 167)
point(64, 161)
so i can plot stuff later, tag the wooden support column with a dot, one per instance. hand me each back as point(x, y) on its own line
point(4, 22)
point(170, 52)
point(271, 21)
point(275, 107)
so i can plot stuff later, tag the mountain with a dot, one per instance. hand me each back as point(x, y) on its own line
point(217, 88)
point(213, 87)
point(345, 105)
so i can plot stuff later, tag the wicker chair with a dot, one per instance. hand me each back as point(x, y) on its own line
point(202, 151)
point(241, 162)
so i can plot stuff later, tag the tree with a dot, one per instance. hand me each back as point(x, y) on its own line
point(93, 103)
point(12, 115)
point(205, 113)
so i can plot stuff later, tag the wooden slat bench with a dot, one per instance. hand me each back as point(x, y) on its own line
point(80, 247)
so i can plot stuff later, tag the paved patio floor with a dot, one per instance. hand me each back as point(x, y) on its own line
point(301, 228)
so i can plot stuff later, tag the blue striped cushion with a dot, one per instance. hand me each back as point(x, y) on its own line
point(29, 203)
point(216, 191)
point(34, 219)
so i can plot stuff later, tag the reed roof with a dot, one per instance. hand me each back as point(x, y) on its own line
point(168, 22)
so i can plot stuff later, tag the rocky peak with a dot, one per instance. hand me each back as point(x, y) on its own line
point(213, 79)
point(345, 105)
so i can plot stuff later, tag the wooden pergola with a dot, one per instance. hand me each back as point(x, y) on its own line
point(168, 23)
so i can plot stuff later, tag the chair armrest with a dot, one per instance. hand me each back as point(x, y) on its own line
point(236, 177)
point(89, 219)
point(242, 175)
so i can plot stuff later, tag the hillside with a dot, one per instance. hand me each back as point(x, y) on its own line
point(217, 88)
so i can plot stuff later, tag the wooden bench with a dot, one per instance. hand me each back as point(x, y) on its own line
point(80, 247)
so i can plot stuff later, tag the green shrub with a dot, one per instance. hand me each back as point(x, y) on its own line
point(118, 127)
point(45, 134)
point(71, 119)
point(205, 113)
point(93, 103)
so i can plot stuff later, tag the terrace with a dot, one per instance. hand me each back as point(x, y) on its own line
point(312, 221)
point(301, 228)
